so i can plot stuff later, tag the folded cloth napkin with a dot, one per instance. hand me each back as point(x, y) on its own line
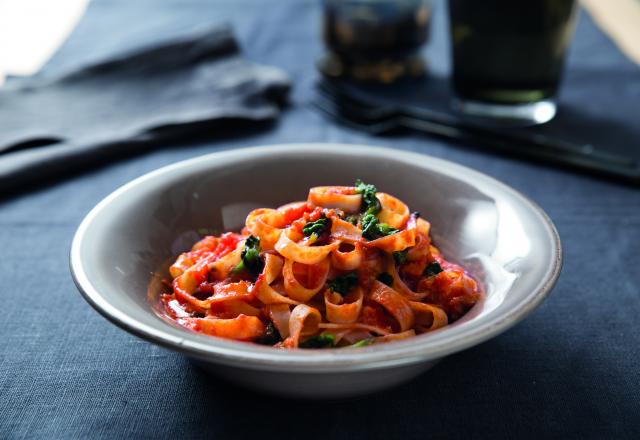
point(173, 89)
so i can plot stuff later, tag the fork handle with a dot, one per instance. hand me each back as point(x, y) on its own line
point(538, 148)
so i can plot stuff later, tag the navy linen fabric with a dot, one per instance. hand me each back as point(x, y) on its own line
point(570, 370)
point(189, 85)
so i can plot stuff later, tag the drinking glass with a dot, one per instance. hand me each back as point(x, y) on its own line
point(374, 40)
point(508, 56)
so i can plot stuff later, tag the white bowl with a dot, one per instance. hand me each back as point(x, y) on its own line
point(123, 247)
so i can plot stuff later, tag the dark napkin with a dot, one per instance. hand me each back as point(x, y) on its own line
point(174, 89)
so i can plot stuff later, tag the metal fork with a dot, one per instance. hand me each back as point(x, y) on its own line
point(377, 119)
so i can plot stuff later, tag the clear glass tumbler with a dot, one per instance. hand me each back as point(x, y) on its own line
point(374, 40)
point(508, 56)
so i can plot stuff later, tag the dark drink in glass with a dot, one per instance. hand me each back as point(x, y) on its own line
point(508, 55)
point(374, 40)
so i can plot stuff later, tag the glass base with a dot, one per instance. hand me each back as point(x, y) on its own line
point(533, 113)
point(383, 70)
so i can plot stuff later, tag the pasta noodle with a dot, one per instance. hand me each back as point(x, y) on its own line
point(348, 267)
point(295, 289)
point(341, 310)
point(304, 321)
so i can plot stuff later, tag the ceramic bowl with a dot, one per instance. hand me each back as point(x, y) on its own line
point(124, 246)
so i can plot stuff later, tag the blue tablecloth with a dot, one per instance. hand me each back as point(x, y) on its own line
point(570, 370)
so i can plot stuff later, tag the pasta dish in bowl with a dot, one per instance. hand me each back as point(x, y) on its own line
point(348, 267)
point(345, 292)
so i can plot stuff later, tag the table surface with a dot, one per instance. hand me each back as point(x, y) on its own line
point(571, 369)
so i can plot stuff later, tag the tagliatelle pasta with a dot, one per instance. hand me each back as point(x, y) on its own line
point(348, 267)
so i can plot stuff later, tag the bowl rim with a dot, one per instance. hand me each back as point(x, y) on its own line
point(414, 350)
